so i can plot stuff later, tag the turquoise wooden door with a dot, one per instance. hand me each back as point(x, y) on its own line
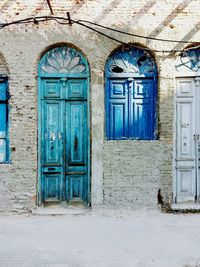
point(64, 148)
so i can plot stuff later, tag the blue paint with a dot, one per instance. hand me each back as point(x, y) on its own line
point(64, 131)
point(131, 95)
point(4, 138)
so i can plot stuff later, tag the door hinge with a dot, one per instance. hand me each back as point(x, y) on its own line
point(63, 80)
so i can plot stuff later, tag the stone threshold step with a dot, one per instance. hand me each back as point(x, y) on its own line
point(186, 207)
point(56, 210)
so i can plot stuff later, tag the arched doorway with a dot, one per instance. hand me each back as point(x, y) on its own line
point(64, 127)
point(131, 95)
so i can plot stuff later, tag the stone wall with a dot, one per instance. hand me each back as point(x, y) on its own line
point(124, 173)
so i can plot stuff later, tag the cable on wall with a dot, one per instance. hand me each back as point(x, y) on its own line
point(137, 35)
point(84, 23)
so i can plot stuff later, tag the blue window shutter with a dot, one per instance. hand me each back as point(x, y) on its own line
point(3, 122)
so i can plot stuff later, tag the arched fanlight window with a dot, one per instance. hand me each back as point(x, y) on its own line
point(131, 95)
point(64, 60)
point(189, 61)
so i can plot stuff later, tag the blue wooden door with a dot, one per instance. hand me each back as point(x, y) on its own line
point(65, 140)
point(130, 108)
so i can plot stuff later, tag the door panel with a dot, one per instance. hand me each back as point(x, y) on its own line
point(117, 109)
point(141, 109)
point(64, 140)
point(186, 128)
point(52, 88)
point(76, 145)
point(53, 117)
point(76, 132)
point(186, 184)
point(118, 120)
point(76, 187)
point(77, 89)
point(141, 120)
point(51, 187)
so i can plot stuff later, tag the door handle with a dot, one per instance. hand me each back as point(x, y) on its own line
point(196, 136)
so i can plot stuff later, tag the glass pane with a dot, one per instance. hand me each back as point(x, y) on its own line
point(3, 123)
point(2, 91)
point(63, 60)
point(2, 150)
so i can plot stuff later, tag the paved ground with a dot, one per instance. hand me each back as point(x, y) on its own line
point(100, 239)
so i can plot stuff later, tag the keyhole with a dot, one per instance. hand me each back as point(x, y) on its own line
point(76, 143)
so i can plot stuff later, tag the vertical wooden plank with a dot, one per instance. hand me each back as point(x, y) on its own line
point(142, 109)
point(117, 109)
point(185, 128)
point(52, 123)
point(76, 150)
point(197, 142)
point(185, 141)
point(52, 132)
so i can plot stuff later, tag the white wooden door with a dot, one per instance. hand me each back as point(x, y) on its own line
point(187, 140)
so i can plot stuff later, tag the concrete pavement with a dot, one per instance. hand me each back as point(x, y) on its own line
point(100, 238)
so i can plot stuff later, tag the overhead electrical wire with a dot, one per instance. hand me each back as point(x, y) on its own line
point(137, 35)
point(123, 43)
point(84, 23)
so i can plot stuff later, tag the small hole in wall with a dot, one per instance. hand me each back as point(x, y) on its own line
point(116, 69)
point(13, 148)
point(79, 1)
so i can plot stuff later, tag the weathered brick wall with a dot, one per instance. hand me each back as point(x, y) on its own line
point(123, 173)
point(132, 173)
point(3, 66)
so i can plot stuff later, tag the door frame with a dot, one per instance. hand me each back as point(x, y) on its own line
point(39, 135)
point(196, 77)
